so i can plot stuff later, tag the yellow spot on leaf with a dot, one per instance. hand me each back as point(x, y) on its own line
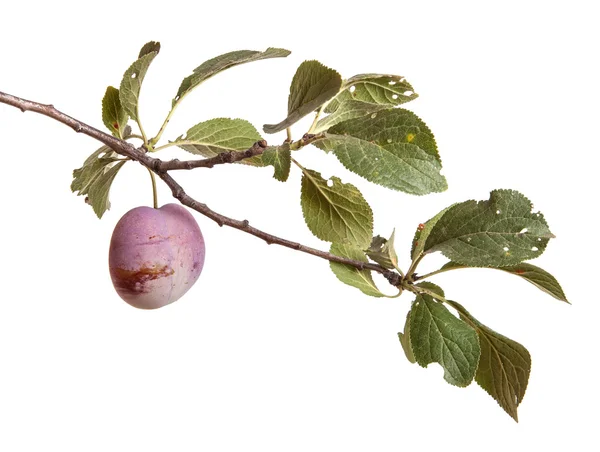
point(410, 137)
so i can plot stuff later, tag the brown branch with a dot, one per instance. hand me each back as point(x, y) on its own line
point(161, 168)
point(224, 157)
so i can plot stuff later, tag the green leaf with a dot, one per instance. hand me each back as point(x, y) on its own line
point(530, 273)
point(438, 336)
point(361, 279)
point(347, 110)
point(392, 148)
point(405, 340)
point(312, 86)
point(334, 211)
point(390, 90)
point(504, 366)
point(149, 47)
point(281, 159)
point(422, 232)
point(95, 177)
point(499, 232)
point(212, 137)
point(382, 251)
point(114, 115)
point(539, 278)
point(129, 91)
point(218, 64)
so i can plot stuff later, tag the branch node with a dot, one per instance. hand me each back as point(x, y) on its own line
point(262, 144)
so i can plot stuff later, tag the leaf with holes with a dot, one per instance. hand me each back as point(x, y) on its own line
point(438, 336)
point(530, 273)
point(504, 366)
point(129, 91)
point(312, 86)
point(499, 232)
point(392, 148)
point(390, 90)
point(218, 64)
point(334, 211)
point(348, 109)
point(280, 157)
point(361, 279)
point(212, 137)
point(95, 177)
point(114, 115)
point(383, 252)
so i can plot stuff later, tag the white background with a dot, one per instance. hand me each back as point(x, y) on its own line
point(269, 351)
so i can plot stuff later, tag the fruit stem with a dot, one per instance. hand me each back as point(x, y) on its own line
point(154, 194)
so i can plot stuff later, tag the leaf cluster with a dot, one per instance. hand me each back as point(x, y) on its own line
point(362, 121)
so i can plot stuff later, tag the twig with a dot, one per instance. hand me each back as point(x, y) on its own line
point(161, 169)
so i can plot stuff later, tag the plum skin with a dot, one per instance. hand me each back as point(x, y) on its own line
point(155, 255)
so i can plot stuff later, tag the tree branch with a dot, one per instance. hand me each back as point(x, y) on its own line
point(161, 168)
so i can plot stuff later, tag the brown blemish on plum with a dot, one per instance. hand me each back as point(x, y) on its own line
point(133, 282)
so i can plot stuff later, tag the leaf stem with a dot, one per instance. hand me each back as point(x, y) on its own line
point(154, 191)
point(414, 264)
point(158, 136)
point(289, 134)
point(441, 270)
point(313, 126)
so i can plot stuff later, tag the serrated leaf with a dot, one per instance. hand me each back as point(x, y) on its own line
point(218, 64)
point(312, 86)
point(383, 252)
point(347, 110)
point(281, 159)
point(212, 137)
point(114, 115)
point(405, 341)
point(149, 47)
point(499, 232)
point(361, 279)
point(334, 211)
point(530, 273)
point(438, 336)
point(392, 148)
point(422, 232)
point(129, 91)
point(390, 90)
point(95, 177)
point(504, 366)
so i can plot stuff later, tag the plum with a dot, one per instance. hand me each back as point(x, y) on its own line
point(155, 255)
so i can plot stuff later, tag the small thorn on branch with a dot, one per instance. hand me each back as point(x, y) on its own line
point(245, 224)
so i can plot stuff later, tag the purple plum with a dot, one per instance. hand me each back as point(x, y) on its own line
point(156, 255)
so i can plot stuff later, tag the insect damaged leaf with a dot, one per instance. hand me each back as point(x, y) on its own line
point(280, 157)
point(499, 232)
point(382, 89)
point(393, 148)
point(436, 335)
point(129, 91)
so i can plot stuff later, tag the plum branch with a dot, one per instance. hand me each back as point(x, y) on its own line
point(161, 169)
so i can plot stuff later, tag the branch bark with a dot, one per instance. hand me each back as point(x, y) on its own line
point(161, 168)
